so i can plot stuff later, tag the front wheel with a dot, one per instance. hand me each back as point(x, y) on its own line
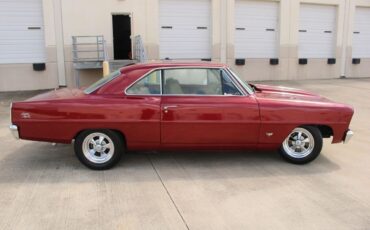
point(302, 145)
point(98, 149)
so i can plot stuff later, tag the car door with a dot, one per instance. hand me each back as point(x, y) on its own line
point(204, 107)
point(141, 112)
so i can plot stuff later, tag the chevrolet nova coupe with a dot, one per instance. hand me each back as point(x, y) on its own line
point(177, 106)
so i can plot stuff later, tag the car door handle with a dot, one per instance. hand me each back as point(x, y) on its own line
point(165, 108)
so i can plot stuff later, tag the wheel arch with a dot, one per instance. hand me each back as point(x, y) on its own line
point(325, 130)
point(120, 133)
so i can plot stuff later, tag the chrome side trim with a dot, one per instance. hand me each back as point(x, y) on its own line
point(14, 131)
point(348, 136)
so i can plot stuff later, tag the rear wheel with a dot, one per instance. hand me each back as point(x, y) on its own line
point(98, 149)
point(302, 145)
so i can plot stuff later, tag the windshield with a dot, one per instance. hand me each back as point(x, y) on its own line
point(102, 82)
point(246, 86)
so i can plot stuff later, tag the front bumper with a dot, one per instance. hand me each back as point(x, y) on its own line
point(348, 135)
point(14, 130)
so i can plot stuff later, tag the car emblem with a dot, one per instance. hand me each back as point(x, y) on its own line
point(26, 115)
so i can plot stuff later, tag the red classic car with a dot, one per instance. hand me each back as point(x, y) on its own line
point(158, 106)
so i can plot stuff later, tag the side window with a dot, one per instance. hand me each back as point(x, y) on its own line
point(150, 84)
point(192, 81)
point(228, 86)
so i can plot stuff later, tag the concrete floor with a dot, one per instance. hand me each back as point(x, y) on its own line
point(45, 187)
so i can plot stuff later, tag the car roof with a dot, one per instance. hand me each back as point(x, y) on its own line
point(171, 64)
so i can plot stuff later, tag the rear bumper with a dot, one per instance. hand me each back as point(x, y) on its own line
point(347, 136)
point(14, 131)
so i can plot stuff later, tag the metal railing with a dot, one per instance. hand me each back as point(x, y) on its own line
point(139, 53)
point(88, 48)
point(89, 52)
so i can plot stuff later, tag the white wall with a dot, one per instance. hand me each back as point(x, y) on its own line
point(94, 17)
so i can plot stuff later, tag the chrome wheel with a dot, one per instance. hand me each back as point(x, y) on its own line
point(98, 148)
point(299, 144)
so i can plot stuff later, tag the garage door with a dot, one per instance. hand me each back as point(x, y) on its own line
point(317, 31)
point(185, 29)
point(361, 33)
point(22, 32)
point(256, 29)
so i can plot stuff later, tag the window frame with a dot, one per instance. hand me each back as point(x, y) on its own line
point(161, 69)
point(201, 68)
point(244, 85)
point(141, 78)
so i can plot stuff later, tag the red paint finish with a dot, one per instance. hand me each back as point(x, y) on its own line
point(223, 120)
point(189, 122)
point(137, 117)
point(283, 109)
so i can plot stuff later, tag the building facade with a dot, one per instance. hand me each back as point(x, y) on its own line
point(259, 39)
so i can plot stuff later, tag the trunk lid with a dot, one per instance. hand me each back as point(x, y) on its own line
point(65, 93)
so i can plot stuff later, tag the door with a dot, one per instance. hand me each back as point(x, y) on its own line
point(22, 32)
point(256, 29)
point(203, 107)
point(185, 29)
point(361, 33)
point(122, 37)
point(317, 31)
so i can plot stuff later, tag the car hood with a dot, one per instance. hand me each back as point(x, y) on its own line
point(285, 93)
point(64, 93)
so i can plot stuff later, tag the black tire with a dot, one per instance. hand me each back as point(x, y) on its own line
point(88, 159)
point(311, 155)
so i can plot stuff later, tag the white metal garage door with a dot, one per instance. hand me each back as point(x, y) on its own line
point(317, 31)
point(185, 29)
point(22, 32)
point(256, 29)
point(361, 33)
